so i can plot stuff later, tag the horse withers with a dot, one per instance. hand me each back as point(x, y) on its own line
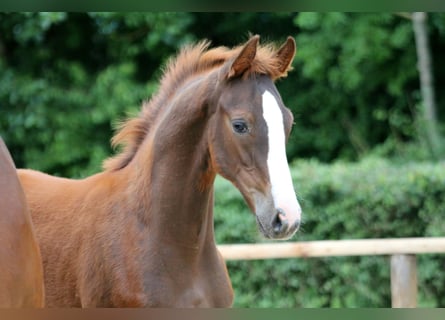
point(140, 233)
point(21, 271)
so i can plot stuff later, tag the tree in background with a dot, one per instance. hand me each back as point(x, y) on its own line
point(67, 78)
point(362, 75)
point(428, 102)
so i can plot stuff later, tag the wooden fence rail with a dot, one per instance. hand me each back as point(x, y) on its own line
point(401, 250)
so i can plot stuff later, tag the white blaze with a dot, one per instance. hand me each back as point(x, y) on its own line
point(283, 192)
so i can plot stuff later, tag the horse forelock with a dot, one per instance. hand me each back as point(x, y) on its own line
point(191, 61)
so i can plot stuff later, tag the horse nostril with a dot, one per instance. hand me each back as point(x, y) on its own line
point(279, 222)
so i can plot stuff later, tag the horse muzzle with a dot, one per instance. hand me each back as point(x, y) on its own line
point(279, 223)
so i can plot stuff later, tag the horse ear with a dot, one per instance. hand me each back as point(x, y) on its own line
point(245, 58)
point(286, 54)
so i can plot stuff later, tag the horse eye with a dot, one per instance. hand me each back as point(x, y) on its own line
point(240, 126)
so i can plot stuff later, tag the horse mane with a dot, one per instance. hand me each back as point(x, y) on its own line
point(192, 60)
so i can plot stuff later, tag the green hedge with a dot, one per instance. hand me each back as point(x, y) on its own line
point(370, 199)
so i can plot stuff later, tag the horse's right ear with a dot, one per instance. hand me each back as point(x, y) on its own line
point(244, 59)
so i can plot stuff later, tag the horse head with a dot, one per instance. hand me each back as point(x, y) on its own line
point(250, 128)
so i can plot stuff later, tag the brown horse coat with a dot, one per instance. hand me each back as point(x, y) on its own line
point(140, 233)
point(21, 272)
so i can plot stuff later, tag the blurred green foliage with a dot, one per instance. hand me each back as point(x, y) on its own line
point(67, 78)
point(363, 68)
point(370, 199)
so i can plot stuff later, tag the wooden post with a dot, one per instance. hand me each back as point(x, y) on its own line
point(403, 281)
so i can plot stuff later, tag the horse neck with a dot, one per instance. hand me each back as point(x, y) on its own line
point(170, 169)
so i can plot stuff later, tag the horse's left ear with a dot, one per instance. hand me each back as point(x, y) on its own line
point(286, 55)
point(244, 59)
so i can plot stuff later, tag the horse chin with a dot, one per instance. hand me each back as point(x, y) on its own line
point(264, 231)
